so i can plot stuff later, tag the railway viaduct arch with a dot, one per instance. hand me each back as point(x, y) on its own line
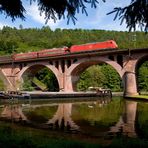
point(33, 68)
point(73, 72)
point(67, 68)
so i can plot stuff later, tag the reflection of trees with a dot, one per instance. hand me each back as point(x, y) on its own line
point(13, 112)
point(126, 123)
point(62, 118)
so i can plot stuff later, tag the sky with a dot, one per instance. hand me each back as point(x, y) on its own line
point(96, 19)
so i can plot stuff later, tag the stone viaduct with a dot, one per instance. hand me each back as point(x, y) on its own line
point(67, 68)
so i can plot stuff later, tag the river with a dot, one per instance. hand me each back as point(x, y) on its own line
point(95, 119)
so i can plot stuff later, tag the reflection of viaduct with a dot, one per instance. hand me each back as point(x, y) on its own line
point(62, 118)
point(13, 112)
point(126, 123)
point(67, 68)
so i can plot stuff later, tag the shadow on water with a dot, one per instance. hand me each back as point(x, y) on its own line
point(99, 118)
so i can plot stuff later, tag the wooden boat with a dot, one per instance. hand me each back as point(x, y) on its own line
point(14, 95)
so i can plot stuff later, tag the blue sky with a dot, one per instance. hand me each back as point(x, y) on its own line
point(96, 19)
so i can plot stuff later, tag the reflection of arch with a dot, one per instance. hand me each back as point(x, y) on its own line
point(78, 67)
point(36, 67)
point(126, 123)
point(62, 118)
point(13, 112)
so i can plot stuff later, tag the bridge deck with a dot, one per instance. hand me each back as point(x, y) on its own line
point(9, 59)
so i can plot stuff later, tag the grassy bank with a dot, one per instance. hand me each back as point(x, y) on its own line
point(21, 139)
point(138, 97)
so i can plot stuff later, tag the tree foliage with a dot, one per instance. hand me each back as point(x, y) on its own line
point(47, 77)
point(91, 77)
point(53, 9)
point(134, 14)
point(27, 84)
point(2, 86)
point(14, 8)
point(100, 76)
point(14, 40)
point(143, 77)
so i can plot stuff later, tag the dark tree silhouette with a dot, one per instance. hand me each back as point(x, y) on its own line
point(136, 13)
point(14, 8)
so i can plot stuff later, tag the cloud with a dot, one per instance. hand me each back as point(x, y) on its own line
point(2, 25)
point(100, 20)
point(115, 26)
point(34, 13)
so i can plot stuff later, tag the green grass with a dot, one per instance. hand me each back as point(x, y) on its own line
point(141, 96)
point(138, 97)
point(21, 139)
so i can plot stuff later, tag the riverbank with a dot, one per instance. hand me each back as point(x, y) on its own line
point(138, 97)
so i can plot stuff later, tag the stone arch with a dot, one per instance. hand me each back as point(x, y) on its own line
point(50, 67)
point(84, 63)
point(138, 63)
point(140, 60)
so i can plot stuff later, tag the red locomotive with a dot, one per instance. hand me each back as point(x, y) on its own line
point(110, 44)
point(94, 46)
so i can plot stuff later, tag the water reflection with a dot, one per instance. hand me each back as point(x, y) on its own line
point(13, 112)
point(126, 123)
point(62, 118)
point(97, 117)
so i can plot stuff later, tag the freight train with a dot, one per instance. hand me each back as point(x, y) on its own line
point(110, 44)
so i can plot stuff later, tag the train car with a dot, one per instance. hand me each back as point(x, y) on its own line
point(52, 52)
point(42, 53)
point(94, 46)
point(23, 56)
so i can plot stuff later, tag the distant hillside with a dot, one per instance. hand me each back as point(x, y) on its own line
point(14, 40)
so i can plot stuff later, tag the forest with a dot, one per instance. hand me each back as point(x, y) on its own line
point(13, 40)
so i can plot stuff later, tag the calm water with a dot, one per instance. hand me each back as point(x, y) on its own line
point(98, 118)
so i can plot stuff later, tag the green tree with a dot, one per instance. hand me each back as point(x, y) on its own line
point(143, 77)
point(2, 86)
point(27, 84)
point(100, 76)
point(113, 80)
point(48, 78)
point(92, 76)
